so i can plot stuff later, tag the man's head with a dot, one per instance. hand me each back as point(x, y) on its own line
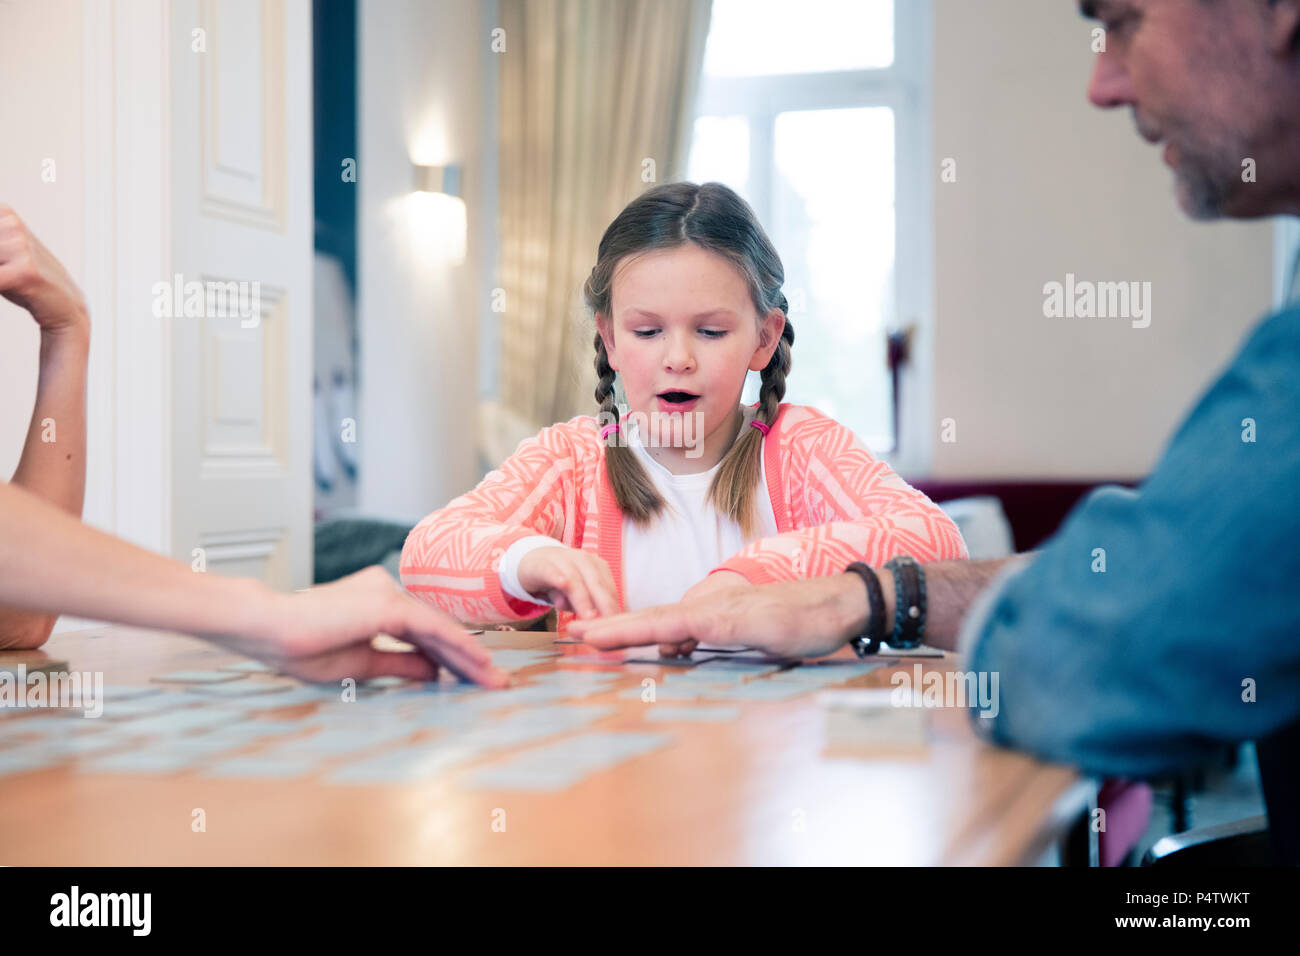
point(1218, 82)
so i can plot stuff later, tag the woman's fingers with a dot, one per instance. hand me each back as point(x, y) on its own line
point(399, 664)
point(12, 274)
point(446, 643)
point(360, 662)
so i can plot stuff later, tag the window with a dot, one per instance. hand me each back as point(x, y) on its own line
point(817, 113)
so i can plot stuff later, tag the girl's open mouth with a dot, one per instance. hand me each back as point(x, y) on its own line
point(677, 401)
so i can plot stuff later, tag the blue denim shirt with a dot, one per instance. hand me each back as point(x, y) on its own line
point(1190, 637)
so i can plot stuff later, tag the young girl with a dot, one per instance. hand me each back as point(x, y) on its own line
point(683, 489)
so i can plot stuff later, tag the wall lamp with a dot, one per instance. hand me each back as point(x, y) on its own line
point(437, 214)
point(438, 179)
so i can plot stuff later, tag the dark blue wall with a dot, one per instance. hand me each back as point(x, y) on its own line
point(334, 67)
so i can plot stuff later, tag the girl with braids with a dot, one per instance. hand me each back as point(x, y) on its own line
point(681, 489)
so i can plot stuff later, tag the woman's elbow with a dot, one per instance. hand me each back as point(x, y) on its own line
point(25, 630)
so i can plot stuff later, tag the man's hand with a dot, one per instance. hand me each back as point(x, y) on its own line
point(570, 579)
point(31, 278)
point(324, 634)
point(808, 618)
point(713, 585)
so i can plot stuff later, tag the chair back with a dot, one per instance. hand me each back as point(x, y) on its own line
point(1279, 777)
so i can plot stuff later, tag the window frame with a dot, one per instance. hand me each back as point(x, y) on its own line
point(905, 87)
point(1286, 251)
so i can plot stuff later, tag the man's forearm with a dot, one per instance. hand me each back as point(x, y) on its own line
point(951, 588)
point(53, 462)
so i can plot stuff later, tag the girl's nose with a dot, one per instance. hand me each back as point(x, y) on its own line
point(679, 357)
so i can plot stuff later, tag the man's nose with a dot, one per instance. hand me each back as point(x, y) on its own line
point(1110, 86)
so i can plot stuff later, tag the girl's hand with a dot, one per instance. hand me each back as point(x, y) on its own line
point(31, 278)
point(571, 580)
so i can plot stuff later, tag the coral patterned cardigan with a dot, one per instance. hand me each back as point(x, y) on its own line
point(834, 504)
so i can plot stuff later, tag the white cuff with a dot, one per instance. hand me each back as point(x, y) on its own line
point(508, 569)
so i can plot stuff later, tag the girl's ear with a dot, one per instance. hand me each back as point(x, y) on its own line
point(769, 337)
point(606, 330)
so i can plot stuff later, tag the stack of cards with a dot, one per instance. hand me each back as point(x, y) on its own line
point(876, 722)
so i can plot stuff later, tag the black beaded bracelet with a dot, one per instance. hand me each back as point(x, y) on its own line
point(909, 602)
point(868, 642)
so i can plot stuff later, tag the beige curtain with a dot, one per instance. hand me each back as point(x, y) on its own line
point(591, 90)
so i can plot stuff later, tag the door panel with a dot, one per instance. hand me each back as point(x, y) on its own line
point(242, 239)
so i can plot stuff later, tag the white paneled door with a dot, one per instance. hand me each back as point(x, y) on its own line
point(241, 244)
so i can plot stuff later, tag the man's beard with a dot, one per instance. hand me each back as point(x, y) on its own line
point(1205, 179)
point(1210, 178)
point(1204, 189)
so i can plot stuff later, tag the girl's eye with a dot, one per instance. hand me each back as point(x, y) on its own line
point(707, 333)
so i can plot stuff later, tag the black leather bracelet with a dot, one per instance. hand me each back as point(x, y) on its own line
point(868, 642)
point(909, 602)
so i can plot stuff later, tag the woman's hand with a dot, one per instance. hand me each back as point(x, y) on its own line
point(571, 580)
point(809, 618)
point(31, 278)
point(324, 634)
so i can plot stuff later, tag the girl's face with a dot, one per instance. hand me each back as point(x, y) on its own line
point(683, 334)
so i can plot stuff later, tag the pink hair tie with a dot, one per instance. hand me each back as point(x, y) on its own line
point(604, 432)
point(761, 427)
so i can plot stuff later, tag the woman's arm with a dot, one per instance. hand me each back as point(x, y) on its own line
point(51, 563)
point(53, 462)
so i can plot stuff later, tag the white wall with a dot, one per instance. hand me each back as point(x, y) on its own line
point(420, 99)
point(88, 86)
point(1047, 184)
point(76, 72)
point(52, 60)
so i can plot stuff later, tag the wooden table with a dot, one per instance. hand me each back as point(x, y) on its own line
point(756, 790)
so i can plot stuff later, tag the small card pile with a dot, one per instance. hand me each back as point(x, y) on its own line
point(875, 722)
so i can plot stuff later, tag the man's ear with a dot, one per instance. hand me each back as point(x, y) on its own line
point(769, 337)
point(1284, 27)
point(606, 330)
